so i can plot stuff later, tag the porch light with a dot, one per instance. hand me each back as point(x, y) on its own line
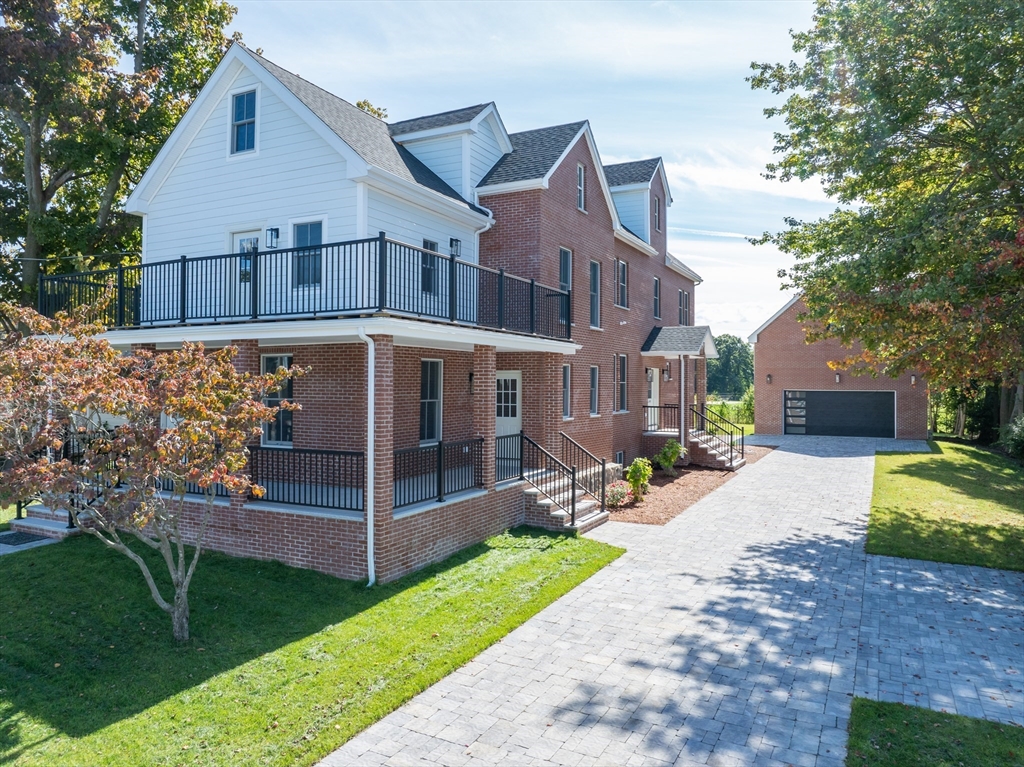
point(666, 374)
point(272, 237)
point(768, 379)
point(837, 377)
point(650, 375)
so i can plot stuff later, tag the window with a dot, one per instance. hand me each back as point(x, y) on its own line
point(428, 267)
point(243, 122)
point(581, 184)
point(278, 431)
point(594, 376)
point(566, 391)
point(657, 298)
point(680, 307)
point(455, 247)
point(620, 382)
point(564, 269)
point(622, 284)
point(306, 257)
point(430, 400)
point(595, 294)
point(657, 214)
point(620, 457)
point(246, 247)
point(684, 308)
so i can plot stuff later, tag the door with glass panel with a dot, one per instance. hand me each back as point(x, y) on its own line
point(508, 423)
point(238, 290)
point(653, 400)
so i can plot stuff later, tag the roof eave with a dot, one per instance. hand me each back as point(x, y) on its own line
point(753, 336)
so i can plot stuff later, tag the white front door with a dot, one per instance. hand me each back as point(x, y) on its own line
point(238, 291)
point(653, 398)
point(509, 410)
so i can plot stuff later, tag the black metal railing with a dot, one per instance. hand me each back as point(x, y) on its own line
point(367, 276)
point(432, 472)
point(719, 434)
point(590, 470)
point(661, 418)
point(553, 479)
point(508, 457)
point(331, 479)
point(219, 491)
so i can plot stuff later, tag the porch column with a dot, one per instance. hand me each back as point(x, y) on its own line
point(684, 411)
point(484, 366)
point(701, 382)
point(383, 452)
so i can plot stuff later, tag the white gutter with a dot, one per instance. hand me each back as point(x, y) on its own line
point(371, 411)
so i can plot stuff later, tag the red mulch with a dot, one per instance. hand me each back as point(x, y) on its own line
point(671, 496)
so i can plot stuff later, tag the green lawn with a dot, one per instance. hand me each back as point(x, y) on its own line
point(956, 504)
point(6, 515)
point(284, 665)
point(895, 735)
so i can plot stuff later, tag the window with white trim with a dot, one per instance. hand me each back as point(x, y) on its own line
point(566, 391)
point(620, 382)
point(657, 214)
point(431, 377)
point(279, 431)
point(581, 187)
point(595, 294)
point(306, 263)
point(620, 457)
point(564, 269)
point(595, 374)
point(657, 298)
point(428, 267)
point(243, 122)
point(684, 308)
point(621, 284)
point(680, 307)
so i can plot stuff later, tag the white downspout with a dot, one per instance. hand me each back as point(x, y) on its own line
point(371, 412)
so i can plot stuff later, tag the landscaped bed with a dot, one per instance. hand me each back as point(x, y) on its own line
point(958, 504)
point(284, 665)
point(671, 496)
point(896, 735)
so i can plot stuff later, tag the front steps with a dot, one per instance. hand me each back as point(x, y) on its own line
point(542, 511)
point(40, 520)
point(701, 453)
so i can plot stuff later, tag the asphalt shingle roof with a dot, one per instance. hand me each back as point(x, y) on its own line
point(677, 340)
point(440, 120)
point(533, 154)
point(368, 136)
point(637, 172)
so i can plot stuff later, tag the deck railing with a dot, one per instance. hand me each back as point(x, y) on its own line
point(433, 472)
point(661, 418)
point(358, 277)
point(331, 479)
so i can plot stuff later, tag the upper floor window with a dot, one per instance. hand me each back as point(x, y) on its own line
point(581, 187)
point(657, 298)
point(595, 294)
point(566, 391)
point(278, 431)
point(306, 258)
point(657, 214)
point(564, 269)
point(430, 400)
point(621, 284)
point(428, 267)
point(684, 308)
point(243, 122)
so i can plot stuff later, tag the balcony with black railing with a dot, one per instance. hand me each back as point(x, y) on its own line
point(344, 279)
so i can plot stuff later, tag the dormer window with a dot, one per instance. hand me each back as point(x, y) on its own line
point(581, 187)
point(657, 214)
point(243, 122)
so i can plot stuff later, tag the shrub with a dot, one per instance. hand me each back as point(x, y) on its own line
point(1013, 437)
point(667, 457)
point(618, 494)
point(638, 475)
point(746, 406)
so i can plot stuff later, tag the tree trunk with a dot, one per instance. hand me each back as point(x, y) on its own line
point(1006, 391)
point(179, 616)
point(961, 421)
point(1018, 401)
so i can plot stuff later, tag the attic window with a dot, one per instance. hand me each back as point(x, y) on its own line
point(657, 214)
point(243, 122)
point(581, 191)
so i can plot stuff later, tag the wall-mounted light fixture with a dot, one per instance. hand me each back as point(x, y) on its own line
point(913, 380)
point(273, 235)
point(768, 379)
point(470, 381)
point(837, 377)
point(666, 374)
point(650, 375)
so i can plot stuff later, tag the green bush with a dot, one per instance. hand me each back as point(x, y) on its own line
point(1013, 437)
point(746, 406)
point(667, 457)
point(618, 494)
point(638, 475)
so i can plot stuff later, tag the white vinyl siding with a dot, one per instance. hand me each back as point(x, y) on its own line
point(443, 155)
point(411, 224)
point(484, 152)
point(632, 209)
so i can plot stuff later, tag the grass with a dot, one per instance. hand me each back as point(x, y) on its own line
point(957, 504)
point(896, 735)
point(284, 665)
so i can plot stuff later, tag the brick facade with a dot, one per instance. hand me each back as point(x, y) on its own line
point(781, 352)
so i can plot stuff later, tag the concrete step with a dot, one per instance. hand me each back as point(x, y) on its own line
point(50, 528)
point(594, 519)
point(39, 511)
point(583, 510)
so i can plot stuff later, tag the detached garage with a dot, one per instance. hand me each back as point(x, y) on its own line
point(796, 392)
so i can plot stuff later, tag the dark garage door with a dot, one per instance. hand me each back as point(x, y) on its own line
point(841, 413)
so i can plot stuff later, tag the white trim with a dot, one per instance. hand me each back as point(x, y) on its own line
point(753, 336)
point(566, 392)
point(581, 187)
point(466, 163)
point(643, 185)
point(594, 391)
point(635, 242)
point(263, 431)
point(656, 297)
point(707, 348)
point(490, 112)
point(512, 186)
point(362, 206)
point(440, 400)
point(569, 251)
point(257, 120)
point(427, 199)
point(676, 265)
point(590, 279)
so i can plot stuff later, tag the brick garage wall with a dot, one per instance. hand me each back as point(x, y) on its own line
point(781, 352)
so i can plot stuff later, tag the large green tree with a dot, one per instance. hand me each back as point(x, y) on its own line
point(909, 113)
point(89, 90)
point(733, 372)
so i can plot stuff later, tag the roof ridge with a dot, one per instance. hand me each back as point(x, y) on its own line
point(548, 127)
point(442, 114)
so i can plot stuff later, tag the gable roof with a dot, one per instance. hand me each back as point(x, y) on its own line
point(676, 263)
point(439, 120)
point(680, 341)
point(636, 172)
point(534, 153)
point(753, 336)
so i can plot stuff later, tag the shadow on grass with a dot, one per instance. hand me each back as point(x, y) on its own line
point(82, 645)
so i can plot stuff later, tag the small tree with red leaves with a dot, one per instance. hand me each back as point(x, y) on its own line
point(122, 441)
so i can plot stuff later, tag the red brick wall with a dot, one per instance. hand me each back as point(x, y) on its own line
point(780, 351)
point(456, 408)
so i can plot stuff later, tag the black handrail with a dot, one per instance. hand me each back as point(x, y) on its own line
point(331, 479)
point(352, 278)
point(432, 472)
point(590, 468)
point(508, 457)
point(538, 460)
point(719, 433)
point(661, 417)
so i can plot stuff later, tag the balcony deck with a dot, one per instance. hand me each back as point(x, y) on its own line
point(375, 276)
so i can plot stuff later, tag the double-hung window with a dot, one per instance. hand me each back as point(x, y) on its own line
point(657, 298)
point(581, 187)
point(243, 122)
point(622, 284)
point(430, 401)
point(566, 391)
point(595, 294)
point(684, 308)
point(564, 269)
point(306, 258)
point(595, 372)
point(657, 214)
point(279, 431)
point(620, 382)
point(428, 267)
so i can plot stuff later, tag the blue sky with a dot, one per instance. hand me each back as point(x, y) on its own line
point(654, 78)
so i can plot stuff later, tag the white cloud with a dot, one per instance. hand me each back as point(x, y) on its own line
point(738, 170)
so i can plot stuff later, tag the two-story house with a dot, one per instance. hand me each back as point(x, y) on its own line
point(492, 322)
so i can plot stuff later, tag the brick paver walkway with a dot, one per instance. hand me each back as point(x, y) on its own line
point(736, 634)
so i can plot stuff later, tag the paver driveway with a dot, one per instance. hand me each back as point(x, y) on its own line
point(736, 634)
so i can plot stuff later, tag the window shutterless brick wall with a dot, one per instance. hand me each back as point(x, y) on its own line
point(780, 351)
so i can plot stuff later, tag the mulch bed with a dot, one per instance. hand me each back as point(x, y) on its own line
point(671, 496)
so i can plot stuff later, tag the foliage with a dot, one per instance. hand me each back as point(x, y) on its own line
point(381, 113)
point(183, 416)
point(896, 735)
point(668, 455)
point(638, 475)
point(962, 504)
point(618, 493)
point(1013, 438)
point(77, 131)
point(733, 371)
point(908, 113)
point(969, 412)
point(284, 664)
point(746, 408)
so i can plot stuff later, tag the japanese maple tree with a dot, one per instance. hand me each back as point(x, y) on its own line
point(126, 442)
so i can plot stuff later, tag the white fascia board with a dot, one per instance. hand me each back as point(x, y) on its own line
point(491, 112)
point(664, 181)
point(425, 198)
point(753, 336)
point(707, 346)
point(512, 186)
point(676, 265)
point(407, 332)
point(630, 187)
point(635, 242)
point(429, 133)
